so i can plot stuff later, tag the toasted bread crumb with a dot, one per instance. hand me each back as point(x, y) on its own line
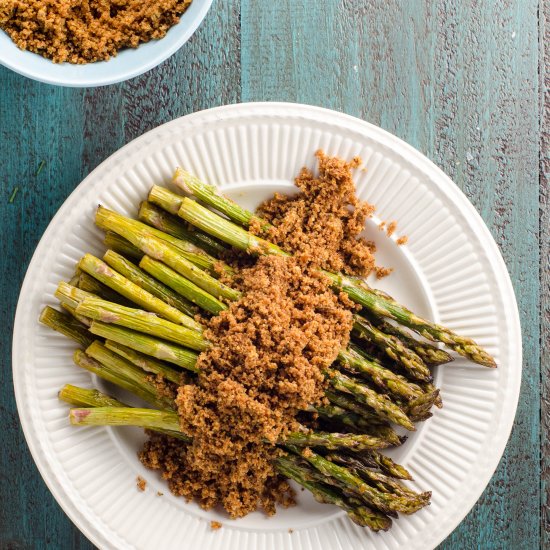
point(383, 272)
point(215, 525)
point(402, 240)
point(164, 387)
point(141, 483)
point(392, 226)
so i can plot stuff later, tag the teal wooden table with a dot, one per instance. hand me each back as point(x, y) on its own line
point(464, 82)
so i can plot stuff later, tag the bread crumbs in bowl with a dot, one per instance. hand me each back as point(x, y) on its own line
point(85, 45)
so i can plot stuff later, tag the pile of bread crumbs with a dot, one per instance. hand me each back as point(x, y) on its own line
point(269, 349)
point(85, 31)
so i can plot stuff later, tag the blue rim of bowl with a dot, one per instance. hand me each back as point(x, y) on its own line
point(176, 37)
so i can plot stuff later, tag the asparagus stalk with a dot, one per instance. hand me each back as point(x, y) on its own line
point(380, 403)
point(161, 250)
point(182, 286)
point(372, 459)
point(129, 371)
point(70, 295)
point(417, 390)
point(166, 199)
point(342, 416)
point(210, 195)
point(122, 376)
point(101, 271)
point(82, 397)
point(223, 229)
point(332, 441)
point(386, 463)
point(150, 284)
point(146, 363)
point(374, 519)
point(72, 312)
point(146, 344)
point(358, 513)
point(93, 286)
point(431, 355)
point(188, 250)
point(429, 388)
point(381, 480)
point(117, 243)
point(346, 401)
point(125, 416)
point(65, 325)
point(385, 502)
point(393, 348)
point(172, 225)
point(168, 420)
point(386, 483)
point(357, 289)
point(353, 360)
point(141, 321)
point(337, 416)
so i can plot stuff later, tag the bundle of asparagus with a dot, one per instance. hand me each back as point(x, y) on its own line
point(137, 320)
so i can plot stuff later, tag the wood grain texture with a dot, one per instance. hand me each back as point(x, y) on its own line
point(486, 124)
point(37, 123)
point(458, 80)
point(544, 225)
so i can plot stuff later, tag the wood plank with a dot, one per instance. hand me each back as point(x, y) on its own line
point(204, 73)
point(459, 82)
point(486, 124)
point(73, 131)
point(544, 271)
point(38, 123)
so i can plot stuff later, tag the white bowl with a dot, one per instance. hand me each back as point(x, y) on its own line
point(127, 64)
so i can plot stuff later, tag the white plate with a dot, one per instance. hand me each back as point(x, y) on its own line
point(127, 64)
point(451, 270)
